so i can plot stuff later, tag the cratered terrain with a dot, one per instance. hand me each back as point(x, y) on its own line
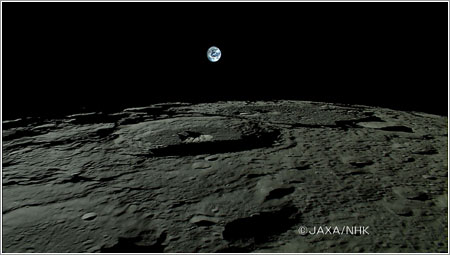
point(226, 177)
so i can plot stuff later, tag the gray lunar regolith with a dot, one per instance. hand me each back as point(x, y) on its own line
point(226, 177)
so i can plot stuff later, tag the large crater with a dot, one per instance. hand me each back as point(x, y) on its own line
point(195, 135)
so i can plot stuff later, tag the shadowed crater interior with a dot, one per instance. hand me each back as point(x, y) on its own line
point(262, 226)
point(196, 135)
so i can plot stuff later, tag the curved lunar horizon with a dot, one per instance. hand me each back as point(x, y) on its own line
point(226, 177)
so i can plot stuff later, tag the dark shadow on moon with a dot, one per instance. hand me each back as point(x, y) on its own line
point(253, 141)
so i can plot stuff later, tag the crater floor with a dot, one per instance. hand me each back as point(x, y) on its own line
point(226, 177)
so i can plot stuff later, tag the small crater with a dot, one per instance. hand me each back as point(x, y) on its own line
point(357, 172)
point(427, 150)
point(361, 163)
point(399, 207)
point(138, 244)
point(262, 226)
point(279, 193)
point(202, 220)
point(89, 216)
point(421, 196)
point(251, 176)
point(429, 177)
point(397, 129)
point(201, 165)
point(302, 167)
point(411, 193)
point(212, 158)
point(403, 211)
point(74, 178)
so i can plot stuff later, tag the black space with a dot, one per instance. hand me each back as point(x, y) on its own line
point(61, 58)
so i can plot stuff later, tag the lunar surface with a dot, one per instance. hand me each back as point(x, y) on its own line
point(226, 177)
point(213, 54)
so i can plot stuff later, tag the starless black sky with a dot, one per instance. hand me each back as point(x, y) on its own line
point(68, 57)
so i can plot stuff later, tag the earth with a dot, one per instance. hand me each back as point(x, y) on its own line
point(213, 54)
point(226, 177)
